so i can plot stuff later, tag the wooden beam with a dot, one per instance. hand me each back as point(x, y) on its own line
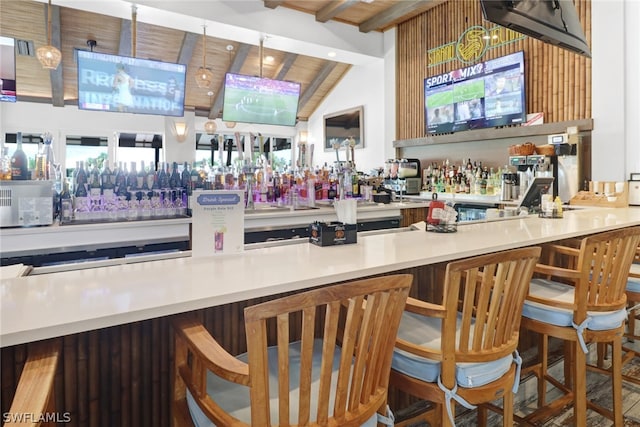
point(333, 8)
point(186, 50)
point(289, 59)
point(315, 83)
point(238, 60)
point(399, 12)
point(124, 49)
point(57, 82)
point(272, 4)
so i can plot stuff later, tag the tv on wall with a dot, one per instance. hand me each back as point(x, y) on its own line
point(486, 94)
point(130, 85)
point(251, 99)
point(7, 70)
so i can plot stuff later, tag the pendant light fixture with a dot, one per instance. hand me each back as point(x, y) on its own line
point(49, 56)
point(204, 76)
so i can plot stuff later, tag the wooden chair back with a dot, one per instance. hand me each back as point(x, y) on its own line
point(359, 317)
point(34, 394)
point(483, 300)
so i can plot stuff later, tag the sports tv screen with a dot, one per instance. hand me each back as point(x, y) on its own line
point(130, 85)
point(486, 94)
point(7, 70)
point(259, 100)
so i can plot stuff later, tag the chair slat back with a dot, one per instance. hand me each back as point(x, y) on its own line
point(604, 261)
point(483, 298)
point(362, 317)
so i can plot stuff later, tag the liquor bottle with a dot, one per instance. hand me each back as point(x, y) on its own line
point(5, 166)
point(95, 188)
point(194, 178)
point(142, 177)
point(121, 181)
point(185, 178)
point(19, 162)
point(108, 186)
point(81, 181)
point(132, 178)
point(66, 204)
point(163, 179)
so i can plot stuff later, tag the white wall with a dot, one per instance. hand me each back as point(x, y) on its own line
point(615, 89)
point(363, 85)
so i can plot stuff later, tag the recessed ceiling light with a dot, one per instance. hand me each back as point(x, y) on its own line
point(269, 59)
point(331, 54)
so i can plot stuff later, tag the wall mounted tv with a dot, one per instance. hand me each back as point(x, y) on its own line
point(552, 21)
point(130, 85)
point(7, 70)
point(486, 94)
point(259, 100)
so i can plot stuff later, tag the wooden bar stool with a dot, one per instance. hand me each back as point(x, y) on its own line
point(464, 351)
point(34, 394)
point(321, 356)
point(581, 300)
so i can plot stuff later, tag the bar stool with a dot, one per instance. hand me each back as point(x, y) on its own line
point(581, 300)
point(464, 351)
point(34, 394)
point(633, 301)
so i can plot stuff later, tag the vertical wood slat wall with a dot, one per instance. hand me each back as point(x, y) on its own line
point(558, 82)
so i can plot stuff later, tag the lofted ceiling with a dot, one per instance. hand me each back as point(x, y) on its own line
point(26, 20)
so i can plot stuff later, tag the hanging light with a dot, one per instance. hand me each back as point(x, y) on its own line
point(204, 76)
point(210, 127)
point(230, 125)
point(49, 56)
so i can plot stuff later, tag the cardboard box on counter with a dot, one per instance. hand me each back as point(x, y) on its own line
point(332, 233)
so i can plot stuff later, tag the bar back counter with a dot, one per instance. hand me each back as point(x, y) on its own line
point(114, 320)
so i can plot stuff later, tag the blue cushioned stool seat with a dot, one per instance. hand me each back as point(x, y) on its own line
point(633, 284)
point(234, 398)
point(548, 289)
point(426, 332)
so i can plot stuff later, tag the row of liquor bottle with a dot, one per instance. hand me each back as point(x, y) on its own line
point(267, 185)
point(468, 177)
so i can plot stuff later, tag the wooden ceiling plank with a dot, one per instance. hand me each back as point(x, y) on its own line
point(289, 59)
point(272, 4)
point(315, 84)
point(333, 8)
point(240, 57)
point(124, 48)
point(401, 10)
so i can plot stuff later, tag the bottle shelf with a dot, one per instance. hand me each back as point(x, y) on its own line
point(496, 133)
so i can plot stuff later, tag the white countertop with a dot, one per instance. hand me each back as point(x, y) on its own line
point(49, 305)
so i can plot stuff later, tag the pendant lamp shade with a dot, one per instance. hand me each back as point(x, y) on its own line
point(210, 127)
point(49, 56)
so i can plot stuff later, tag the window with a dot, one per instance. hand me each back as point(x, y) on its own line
point(90, 150)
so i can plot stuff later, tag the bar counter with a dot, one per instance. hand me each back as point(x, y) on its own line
point(58, 304)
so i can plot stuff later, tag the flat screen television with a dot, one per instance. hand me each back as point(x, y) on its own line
point(130, 85)
point(551, 21)
point(486, 94)
point(251, 99)
point(7, 70)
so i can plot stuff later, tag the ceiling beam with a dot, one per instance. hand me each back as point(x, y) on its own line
point(124, 48)
point(401, 11)
point(315, 83)
point(289, 59)
point(272, 4)
point(57, 82)
point(238, 60)
point(188, 46)
point(333, 8)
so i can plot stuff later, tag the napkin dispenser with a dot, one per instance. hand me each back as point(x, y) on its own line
point(332, 233)
point(634, 189)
